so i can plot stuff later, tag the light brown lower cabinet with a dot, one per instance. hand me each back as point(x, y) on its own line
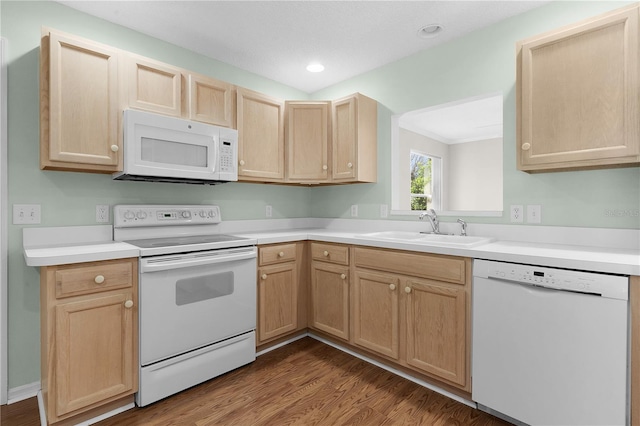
point(330, 298)
point(282, 294)
point(414, 309)
point(89, 337)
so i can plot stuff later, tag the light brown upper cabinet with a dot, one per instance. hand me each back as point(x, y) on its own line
point(79, 105)
point(260, 137)
point(307, 141)
point(354, 141)
point(578, 95)
point(211, 101)
point(154, 86)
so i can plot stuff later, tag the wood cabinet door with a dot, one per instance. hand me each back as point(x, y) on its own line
point(211, 101)
point(436, 318)
point(94, 351)
point(375, 313)
point(307, 140)
point(80, 108)
point(154, 86)
point(344, 139)
point(330, 299)
point(260, 137)
point(277, 300)
point(578, 94)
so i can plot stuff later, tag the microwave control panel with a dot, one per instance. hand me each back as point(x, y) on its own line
point(227, 160)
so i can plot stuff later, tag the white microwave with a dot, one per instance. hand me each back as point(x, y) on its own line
point(158, 148)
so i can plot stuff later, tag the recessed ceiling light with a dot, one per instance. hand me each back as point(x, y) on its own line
point(315, 67)
point(430, 31)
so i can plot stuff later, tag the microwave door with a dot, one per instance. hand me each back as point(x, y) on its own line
point(170, 153)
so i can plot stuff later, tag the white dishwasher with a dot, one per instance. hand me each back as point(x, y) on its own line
point(550, 346)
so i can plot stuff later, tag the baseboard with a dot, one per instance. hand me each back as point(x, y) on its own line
point(281, 344)
point(23, 392)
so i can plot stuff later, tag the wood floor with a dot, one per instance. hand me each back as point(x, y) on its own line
point(303, 383)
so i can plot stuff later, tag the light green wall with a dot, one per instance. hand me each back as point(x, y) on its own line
point(70, 198)
point(484, 62)
point(479, 63)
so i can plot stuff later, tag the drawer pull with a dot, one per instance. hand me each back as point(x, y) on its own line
point(99, 279)
point(343, 276)
point(281, 254)
point(264, 276)
point(392, 287)
point(324, 167)
point(526, 146)
point(326, 253)
point(350, 165)
point(128, 304)
point(407, 290)
point(115, 148)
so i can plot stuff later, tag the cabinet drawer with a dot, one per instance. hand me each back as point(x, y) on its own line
point(330, 253)
point(73, 280)
point(442, 268)
point(277, 254)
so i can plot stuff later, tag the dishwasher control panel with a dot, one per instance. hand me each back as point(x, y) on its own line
point(560, 279)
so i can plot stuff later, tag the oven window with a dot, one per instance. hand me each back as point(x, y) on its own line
point(196, 289)
point(168, 152)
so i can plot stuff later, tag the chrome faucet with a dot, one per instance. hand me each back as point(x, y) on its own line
point(433, 220)
point(464, 227)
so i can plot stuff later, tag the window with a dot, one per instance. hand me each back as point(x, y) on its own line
point(426, 181)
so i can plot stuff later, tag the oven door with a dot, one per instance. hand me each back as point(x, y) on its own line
point(191, 300)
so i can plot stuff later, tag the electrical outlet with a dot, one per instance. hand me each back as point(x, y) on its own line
point(102, 213)
point(28, 214)
point(268, 211)
point(517, 213)
point(354, 210)
point(384, 210)
point(534, 213)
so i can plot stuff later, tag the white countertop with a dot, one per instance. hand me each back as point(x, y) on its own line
point(607, 260)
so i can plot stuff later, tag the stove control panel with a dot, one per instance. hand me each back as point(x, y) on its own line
point(125, 216)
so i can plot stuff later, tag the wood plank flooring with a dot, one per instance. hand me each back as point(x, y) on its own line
point(303, 383)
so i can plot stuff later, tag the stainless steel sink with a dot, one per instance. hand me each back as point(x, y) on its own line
point(428, 239)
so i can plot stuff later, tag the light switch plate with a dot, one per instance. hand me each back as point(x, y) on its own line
point(534, 213)
point(384, 210)
point(26, 214)
point(354, 210)
point(268, 211)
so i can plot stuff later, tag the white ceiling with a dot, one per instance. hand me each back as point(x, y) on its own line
point(278, 39)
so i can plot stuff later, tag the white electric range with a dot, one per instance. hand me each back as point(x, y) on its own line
point(197, 295)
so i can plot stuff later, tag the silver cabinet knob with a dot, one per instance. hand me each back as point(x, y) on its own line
point(350, 165)
point(281, 254)
point(242, 162)
point(392, 287)
point(326, 253)
point(115, 148)
point(343, 276)
point(526, 146)
point(99, 279)
point(407, 290)
point(128, 304)
point(324, 167)
point(264, 276)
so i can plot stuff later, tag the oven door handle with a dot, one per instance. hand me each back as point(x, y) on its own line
point(187, 261)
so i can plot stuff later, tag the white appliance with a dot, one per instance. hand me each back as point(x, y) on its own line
point(197, 296)
point(550, 345)
point(158, 148)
